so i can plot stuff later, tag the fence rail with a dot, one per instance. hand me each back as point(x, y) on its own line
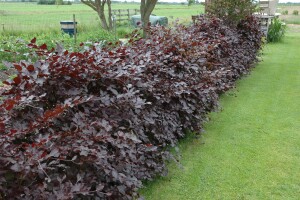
point(125, 14)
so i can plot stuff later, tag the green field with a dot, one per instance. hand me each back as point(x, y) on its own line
point(290, 18)
point(251, 149)
point(30, 17)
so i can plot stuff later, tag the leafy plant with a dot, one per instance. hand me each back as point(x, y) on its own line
point(46, 2)
point(295, 12)
point(276, 30)
point(285, 12)
point(94, 123)
point(191, 2)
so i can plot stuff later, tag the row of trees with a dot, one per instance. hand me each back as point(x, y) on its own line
point(146, 9)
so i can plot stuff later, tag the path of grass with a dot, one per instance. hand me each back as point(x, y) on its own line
point(251, 150)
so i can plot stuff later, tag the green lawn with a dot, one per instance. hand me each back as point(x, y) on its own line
point(251, 149)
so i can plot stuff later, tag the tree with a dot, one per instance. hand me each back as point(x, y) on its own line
point(191, 2)
point(98, 6)
point(59, 2)
point(231, 11)
point(146, 9)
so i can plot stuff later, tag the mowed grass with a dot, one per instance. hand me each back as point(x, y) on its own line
point(251, 149)
point(33, 17)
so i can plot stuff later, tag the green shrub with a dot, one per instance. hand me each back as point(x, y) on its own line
point(231, 11)
point(59, 2)
point(190, 2)
point(285, 12)
point(276, 30)
point(46, 2)
point(295, 12)
point(53, 2)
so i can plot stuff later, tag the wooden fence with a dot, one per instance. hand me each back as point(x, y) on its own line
point(124, 14)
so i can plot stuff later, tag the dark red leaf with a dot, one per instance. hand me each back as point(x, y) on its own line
point(33, 40)
point(54, 113)
point(17, 80)
point(9, 104)
point(13, 131)
point(2, 127)
point(73, 54)
point(18, 67)
point(43, 47)
point(30, 68)
point(6, 83)
point(44, 154)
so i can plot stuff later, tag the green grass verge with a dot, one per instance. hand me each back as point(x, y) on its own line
point(251, 149)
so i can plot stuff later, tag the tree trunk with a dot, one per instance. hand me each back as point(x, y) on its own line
point(110, 22)
point(146, 25)
point(98, 6)
point(146, 9)
point(103, 20)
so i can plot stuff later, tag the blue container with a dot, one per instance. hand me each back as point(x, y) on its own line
point(68, 27)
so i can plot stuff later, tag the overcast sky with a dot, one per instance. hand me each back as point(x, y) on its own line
point(285, 1)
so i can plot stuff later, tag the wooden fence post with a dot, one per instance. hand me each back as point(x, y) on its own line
point(75, 27)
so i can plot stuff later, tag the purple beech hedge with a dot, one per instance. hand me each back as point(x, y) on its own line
point(94, 124)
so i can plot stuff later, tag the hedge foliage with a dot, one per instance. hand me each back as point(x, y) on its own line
point(94, 124)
